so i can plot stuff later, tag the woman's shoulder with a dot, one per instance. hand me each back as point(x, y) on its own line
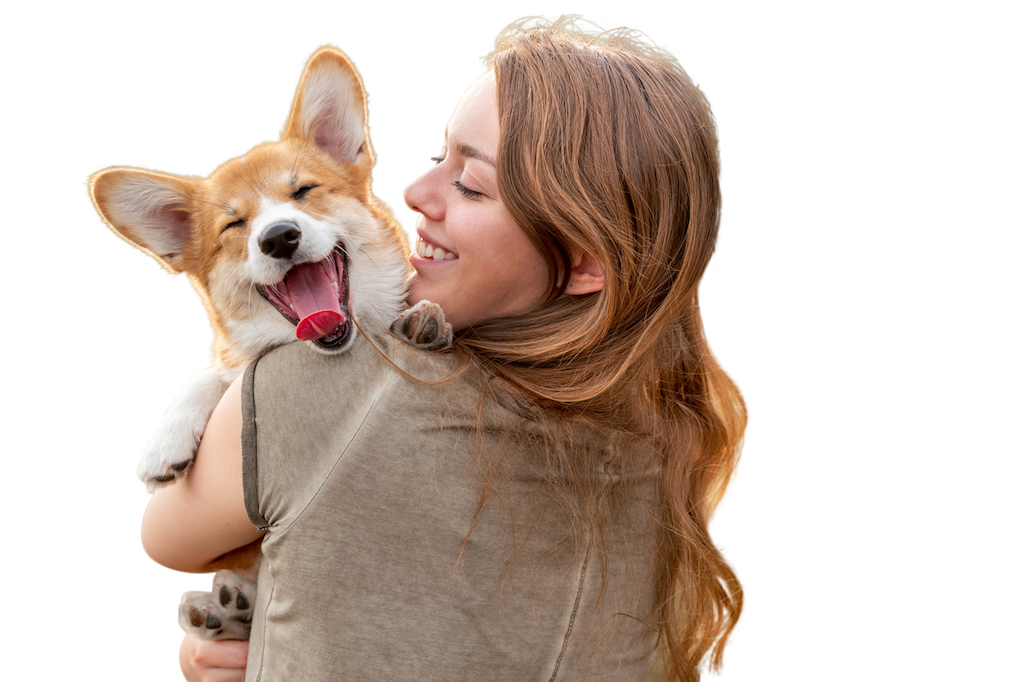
point(368, 355)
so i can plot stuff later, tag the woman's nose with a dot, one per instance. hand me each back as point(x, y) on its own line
point(421, 198)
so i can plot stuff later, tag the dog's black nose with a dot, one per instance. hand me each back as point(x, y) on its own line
point(280, 240)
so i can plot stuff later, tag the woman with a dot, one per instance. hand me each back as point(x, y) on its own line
point(541, 512)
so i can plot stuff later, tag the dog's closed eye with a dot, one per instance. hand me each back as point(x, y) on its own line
point(237, 223)
point(302, 191)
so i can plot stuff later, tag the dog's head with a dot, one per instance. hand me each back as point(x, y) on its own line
point(286, 240)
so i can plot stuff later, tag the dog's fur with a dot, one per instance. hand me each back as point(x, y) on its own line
point(238, 233)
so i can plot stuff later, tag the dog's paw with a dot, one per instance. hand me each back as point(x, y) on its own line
point(423, 326)
point(224, 613)
point(168, 455)
point(172, 448)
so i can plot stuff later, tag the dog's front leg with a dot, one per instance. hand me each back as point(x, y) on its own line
point(172, 448)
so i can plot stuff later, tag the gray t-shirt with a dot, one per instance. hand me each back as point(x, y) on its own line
point(367, 484)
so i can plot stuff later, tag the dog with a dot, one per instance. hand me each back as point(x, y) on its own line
point(287, 241)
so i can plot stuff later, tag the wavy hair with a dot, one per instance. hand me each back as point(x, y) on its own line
point(608, 147)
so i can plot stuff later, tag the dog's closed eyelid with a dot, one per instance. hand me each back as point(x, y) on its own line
point(237, 223)
point(302, 191)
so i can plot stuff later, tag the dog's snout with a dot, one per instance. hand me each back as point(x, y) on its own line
point(280, 240)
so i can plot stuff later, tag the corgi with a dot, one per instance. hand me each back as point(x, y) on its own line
point(285, 242)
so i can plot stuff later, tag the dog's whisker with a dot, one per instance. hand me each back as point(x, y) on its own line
point(298, 159)
point(367, 254)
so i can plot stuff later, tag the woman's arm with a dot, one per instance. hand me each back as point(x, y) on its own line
point(202, 516)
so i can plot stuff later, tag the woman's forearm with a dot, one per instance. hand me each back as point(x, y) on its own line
point(191, 523)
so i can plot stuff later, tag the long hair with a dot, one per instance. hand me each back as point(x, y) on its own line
point(607, 146)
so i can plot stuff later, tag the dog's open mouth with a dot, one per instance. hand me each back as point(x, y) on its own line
point(314, 297)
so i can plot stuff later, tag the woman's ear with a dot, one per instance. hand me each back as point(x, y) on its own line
point(587, 275)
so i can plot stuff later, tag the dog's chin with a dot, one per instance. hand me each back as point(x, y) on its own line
point(280, 297)
point(337, 341)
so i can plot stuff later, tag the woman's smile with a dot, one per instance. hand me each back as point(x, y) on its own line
point(471, 257)
point(426, 250)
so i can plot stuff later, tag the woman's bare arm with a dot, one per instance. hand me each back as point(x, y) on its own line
point(192, 522)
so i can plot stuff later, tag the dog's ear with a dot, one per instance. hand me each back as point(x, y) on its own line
point(330, 109)
point(148, 210)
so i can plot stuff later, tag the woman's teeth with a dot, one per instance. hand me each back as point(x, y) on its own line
point(435, 252)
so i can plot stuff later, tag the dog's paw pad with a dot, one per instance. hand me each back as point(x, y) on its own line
point(424, 326)
point(202, 618)
point(420, 330)
point(224, 613)
point(237, 595)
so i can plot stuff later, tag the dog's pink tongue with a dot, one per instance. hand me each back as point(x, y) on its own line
point(319, 324)
point(315, 301)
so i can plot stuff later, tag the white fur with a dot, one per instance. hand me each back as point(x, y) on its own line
point(178, 433)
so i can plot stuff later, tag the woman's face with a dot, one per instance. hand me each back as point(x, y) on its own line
point(471, 257)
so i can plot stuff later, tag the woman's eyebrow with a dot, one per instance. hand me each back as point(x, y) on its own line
point(470, 152)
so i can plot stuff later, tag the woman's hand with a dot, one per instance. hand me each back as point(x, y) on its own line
point(221, 660)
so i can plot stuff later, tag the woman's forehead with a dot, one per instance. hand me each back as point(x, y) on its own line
point(474, 123)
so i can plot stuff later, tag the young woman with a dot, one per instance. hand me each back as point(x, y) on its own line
point(537, 508)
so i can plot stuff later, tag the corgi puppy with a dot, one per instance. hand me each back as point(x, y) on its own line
point(285, 242)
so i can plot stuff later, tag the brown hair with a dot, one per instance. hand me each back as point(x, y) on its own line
point(607, 146)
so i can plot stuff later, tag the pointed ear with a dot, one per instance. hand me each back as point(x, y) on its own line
point(330, 108)
point(587, 275)
point(148, 210)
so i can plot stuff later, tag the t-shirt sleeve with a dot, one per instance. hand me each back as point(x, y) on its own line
point(301, 409)
point(250, 478)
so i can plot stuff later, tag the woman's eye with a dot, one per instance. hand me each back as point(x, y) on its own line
point(470, 193)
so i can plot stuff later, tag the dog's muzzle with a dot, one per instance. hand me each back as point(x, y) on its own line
point(312, 296)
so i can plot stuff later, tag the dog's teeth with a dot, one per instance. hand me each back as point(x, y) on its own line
point(292, 306)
